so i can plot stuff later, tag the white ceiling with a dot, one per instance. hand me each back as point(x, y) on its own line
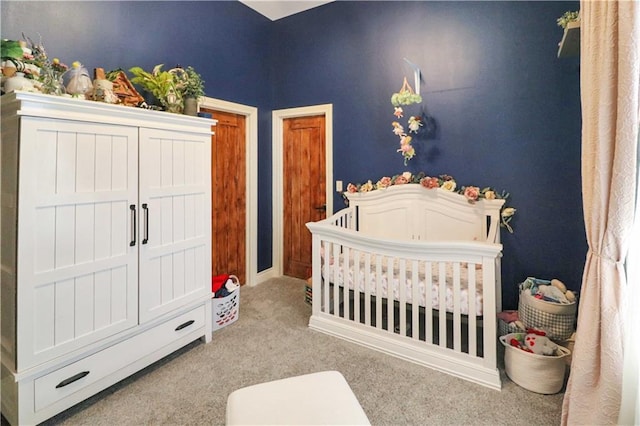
point(275, 10)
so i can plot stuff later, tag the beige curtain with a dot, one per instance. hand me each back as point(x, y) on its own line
point(609, 79)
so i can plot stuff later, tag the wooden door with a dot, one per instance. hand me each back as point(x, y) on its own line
point(304, 189)
point(228, 181)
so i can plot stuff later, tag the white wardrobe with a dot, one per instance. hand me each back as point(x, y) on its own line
point(105, 248)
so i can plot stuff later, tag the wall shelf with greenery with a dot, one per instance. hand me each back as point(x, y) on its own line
point(570, 43)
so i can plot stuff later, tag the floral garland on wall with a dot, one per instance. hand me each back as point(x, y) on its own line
point(445, 182)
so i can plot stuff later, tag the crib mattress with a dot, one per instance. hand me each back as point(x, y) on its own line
point(434, 292)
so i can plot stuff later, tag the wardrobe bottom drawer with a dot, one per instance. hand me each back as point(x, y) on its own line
point(75, 377)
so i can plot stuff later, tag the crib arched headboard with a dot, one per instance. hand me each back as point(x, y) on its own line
point(413, 212)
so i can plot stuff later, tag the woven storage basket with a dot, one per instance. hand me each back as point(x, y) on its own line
point(226, 310)
point(556, 319)
point(543, 374)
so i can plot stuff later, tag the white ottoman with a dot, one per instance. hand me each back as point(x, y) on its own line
point(323, 398)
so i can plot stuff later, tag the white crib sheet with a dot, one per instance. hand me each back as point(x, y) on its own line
point(435, 288)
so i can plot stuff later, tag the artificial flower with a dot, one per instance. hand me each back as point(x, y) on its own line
point(58, 66)
point(430, 182)
point(400, 180)
point(506, 215)
point(508, 212)
point(449, 185)
point(471, 193)
point(383, 182)
point(367, 187)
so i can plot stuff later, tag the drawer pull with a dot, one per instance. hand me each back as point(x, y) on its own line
point(72, 379)
point(185, 325)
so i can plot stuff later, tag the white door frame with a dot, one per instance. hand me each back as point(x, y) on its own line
point(278, 117)
point(251, 150)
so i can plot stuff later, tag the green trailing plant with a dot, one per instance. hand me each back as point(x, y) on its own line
point(567, 17)
point(161, 84)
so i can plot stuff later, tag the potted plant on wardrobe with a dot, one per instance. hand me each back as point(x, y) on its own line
point(161, 85)
point(192, 90)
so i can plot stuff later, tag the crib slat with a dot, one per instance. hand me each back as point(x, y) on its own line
point(367, 289)
point(442, 306)
point(402, 307)
point(378, 292)
point(415, 300)
point(346, 270)
point(427, 326)
point(326, 247)
point(336, 278)
point(456, 308)
point(471, 280)
point(356, 286)
point(391, 279)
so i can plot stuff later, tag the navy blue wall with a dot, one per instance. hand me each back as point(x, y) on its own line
point(506, 110)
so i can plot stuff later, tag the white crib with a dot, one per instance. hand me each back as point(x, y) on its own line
point(414, 273)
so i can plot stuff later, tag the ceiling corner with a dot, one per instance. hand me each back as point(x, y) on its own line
point(277, 9)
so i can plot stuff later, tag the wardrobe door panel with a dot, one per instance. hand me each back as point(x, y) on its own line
point(175, 231)
point(77, 181)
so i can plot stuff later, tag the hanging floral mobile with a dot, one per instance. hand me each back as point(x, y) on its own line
point(406, 96)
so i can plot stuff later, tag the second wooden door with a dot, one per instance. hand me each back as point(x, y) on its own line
point(304, 189)
point(228, 179)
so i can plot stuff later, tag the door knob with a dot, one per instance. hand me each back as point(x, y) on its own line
point(321, 208)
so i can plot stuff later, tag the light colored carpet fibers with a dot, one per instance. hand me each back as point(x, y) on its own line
point(271, 341)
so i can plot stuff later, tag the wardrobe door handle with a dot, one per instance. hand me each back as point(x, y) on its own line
point(145, 207)
point(184, 325)
point(72, 379)
point(132, 207)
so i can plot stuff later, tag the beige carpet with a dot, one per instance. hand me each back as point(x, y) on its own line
point(270, 341)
